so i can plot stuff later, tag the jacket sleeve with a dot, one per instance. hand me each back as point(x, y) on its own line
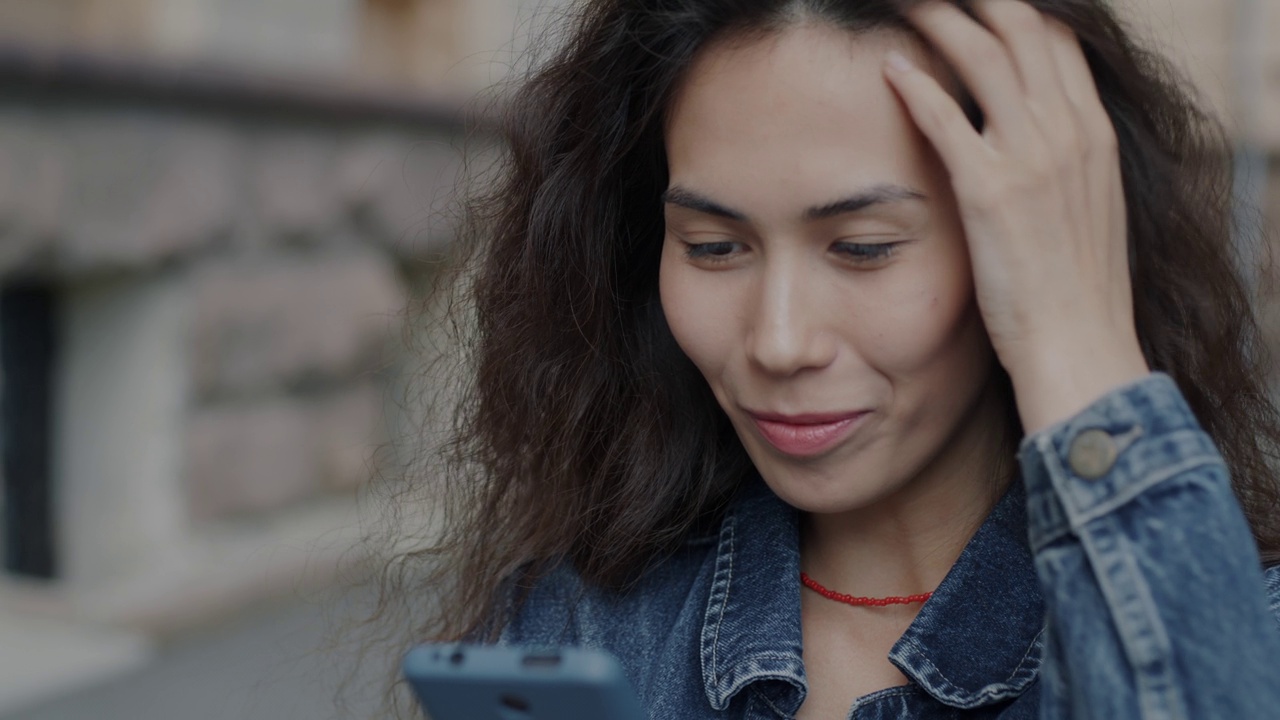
point(1156, 600)
point(1273, 591)
point(543, 610)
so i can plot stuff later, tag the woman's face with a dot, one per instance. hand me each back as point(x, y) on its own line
point(815, 270)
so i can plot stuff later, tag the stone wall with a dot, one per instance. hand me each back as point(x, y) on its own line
point(231, 202)
point(445, 46)
point(232, 273)
point(1225, 47)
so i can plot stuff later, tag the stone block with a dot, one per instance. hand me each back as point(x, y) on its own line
point(255, 457)
point(249, 459)
point(363, 166)
point(297, 320)
point(348, 430)
point(311, 37)
point(400, 188)
point(1269, 265)
point(1267, 107)
point(195, 200)
point(1225, 48)
point(294, 186)
point(34, 172)
point(1196, 36)
point(143, 189)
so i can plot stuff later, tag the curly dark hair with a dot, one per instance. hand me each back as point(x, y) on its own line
point(582, 431)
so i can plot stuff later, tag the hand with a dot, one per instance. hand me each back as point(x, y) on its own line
point(1040, 197)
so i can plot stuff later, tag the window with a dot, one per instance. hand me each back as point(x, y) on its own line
point(27, 339)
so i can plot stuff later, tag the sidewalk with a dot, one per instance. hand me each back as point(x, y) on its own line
point(42, 655)
point(266, 665)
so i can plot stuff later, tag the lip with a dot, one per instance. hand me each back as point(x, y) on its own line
point(807, 434)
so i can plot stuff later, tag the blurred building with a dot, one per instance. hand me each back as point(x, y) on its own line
point(212, 214)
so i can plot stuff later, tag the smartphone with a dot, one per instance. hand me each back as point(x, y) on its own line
point(485, 682)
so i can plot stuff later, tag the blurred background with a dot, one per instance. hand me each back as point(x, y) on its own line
point(213, 214)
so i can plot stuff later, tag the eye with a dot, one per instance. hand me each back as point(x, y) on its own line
point(713, 252)
point(865, 253)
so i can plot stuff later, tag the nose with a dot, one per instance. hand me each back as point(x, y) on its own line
point(787, 325)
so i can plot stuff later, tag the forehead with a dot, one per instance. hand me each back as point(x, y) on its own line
point(795, 114)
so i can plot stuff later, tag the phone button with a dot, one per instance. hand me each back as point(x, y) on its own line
point(514, 707)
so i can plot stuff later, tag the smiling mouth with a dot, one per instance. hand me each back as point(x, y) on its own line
point(806, 435)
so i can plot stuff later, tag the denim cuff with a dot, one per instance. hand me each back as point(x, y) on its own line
point(1273, 590)
point(1129, 440)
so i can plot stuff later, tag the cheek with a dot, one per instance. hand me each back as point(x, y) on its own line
point(929, 320)
point(696, 311)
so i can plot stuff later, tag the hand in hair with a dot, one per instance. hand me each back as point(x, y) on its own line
point(1041, 199)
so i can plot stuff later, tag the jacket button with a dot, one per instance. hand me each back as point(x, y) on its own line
point(1092, 454)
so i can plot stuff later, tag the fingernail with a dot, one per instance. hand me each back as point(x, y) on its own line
point(899, 62)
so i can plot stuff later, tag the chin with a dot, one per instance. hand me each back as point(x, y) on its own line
point(812, 491)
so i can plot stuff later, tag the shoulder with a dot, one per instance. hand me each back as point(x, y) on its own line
point(1273, 590)
point(560, 608)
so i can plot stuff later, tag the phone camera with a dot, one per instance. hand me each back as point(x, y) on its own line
point(541, 659)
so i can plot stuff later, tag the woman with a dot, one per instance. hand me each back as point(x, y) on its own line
point(849, 358)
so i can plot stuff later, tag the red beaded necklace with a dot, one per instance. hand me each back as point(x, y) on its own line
point(861, 601)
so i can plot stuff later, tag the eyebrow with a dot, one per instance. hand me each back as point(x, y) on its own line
point(882, 194)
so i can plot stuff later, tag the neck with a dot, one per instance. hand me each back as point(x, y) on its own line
point(906, 542)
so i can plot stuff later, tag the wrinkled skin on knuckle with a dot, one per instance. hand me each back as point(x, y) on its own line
point(984, 194)
point(1098, 150)
point(1040, 167)
point(1019, 17)
point(935, 120)
point(1104, 142)
point(1070, 149)
point(1043, 116)
point(986, 53)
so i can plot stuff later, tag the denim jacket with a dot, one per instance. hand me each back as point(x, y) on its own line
point(1118, 579)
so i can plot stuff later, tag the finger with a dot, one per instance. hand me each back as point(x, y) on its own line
point(1025, 34)
point(1079, 85)
point(1106, 187)
point(980, 59)
point(937, 114)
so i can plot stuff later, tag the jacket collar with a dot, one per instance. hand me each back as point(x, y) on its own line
point(977, 641)
point(751, 631)
point(980, 638)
